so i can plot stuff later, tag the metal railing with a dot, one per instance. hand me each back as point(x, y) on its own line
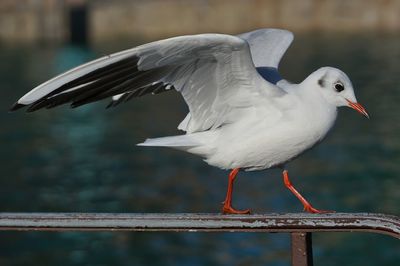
point(299, 225)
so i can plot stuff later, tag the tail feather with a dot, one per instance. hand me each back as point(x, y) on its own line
point(182, 141)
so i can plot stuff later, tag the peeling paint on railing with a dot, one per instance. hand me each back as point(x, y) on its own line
point(193, 222)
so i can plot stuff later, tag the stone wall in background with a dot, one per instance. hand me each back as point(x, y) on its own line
point(47, 20)
point(163, 18)
point(29, 21)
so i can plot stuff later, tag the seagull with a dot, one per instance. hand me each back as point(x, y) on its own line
point(242, 114)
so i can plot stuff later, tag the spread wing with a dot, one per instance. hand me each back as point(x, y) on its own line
point(214, 73)
point(267, 47)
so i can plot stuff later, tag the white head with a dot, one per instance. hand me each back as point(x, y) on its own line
point(335, 87)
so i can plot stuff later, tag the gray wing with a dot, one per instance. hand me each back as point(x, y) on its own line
point(213, 72)
point(267, 46)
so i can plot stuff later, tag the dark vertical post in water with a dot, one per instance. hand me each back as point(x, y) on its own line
point(78, 24)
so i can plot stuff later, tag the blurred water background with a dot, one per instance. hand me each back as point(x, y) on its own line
point(85, 160)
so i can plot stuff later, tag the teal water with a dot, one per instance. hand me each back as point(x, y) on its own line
point(85, 159)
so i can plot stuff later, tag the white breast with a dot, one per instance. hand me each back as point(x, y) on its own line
point(256, 143)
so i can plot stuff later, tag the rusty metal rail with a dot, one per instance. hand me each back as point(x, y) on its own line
point(300, 225)
point(191, 222)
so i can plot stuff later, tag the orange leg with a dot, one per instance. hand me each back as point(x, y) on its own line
point(306, 204)
point(227, 208)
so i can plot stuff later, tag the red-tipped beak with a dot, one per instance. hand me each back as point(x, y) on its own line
point(359, 108)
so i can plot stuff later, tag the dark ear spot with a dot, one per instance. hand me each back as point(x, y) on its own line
point(321, 82)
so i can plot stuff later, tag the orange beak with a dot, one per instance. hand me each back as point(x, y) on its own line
point(359, 108)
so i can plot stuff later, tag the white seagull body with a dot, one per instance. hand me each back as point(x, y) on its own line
point(242, 114)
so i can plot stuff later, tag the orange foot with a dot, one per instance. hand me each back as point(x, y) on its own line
point(311, 209)
point(231, 210)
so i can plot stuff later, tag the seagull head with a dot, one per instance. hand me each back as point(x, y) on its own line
point(335, 86)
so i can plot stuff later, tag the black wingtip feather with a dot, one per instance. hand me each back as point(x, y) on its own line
point(16, 106)
point(110, 104)
point(119, 77)
point(74, 105)
point(113, 103)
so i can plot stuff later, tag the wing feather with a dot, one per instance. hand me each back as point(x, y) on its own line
point(267, 47)
point(214, 73)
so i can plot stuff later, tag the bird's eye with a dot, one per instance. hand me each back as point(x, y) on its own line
point(339, 87)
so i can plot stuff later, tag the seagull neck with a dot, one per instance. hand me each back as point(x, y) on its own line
point(315, 113)
point(312, 95)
